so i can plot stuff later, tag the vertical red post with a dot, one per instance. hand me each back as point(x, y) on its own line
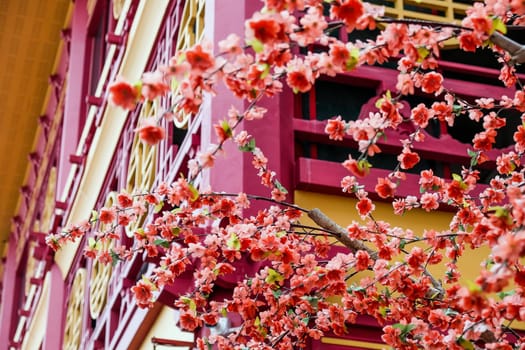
point(234, 172)
point(7, 309)
point(74, 106)
point(57, 308)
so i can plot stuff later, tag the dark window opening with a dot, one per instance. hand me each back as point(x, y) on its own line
point(331, 99)
point(178, 135)
point(416, 6)
point(482, 57)
point(464, 129)
point(388, 3)
point(363, 35)
point(467, 2)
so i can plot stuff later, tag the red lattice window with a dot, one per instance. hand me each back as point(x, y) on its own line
point(353, 96)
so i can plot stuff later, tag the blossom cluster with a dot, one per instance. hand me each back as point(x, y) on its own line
point(298, 284)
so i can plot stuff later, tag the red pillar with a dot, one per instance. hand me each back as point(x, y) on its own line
point(273, 134)
point(75, 105)
point(56, 312)
point(7, 309)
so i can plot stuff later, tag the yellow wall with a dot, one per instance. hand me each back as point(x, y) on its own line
point(342, 210)
point(164, 327)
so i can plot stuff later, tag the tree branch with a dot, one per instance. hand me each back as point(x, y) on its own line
point(515, 50)
point(340, 233)
point(355, 245)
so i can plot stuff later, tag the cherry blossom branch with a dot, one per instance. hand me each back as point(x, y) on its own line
point(515, 50)
point(340, 233)
point(422, 22)
point(260, 198)
point(356, 245)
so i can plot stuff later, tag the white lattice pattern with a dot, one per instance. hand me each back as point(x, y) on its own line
point(100, 273)
point(141, 168)
point(75, 307)
point(192, 24)
point(191, 32)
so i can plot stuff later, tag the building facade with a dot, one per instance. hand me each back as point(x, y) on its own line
point(85, 150)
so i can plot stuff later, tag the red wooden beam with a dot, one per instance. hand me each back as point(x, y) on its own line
point(170, 342)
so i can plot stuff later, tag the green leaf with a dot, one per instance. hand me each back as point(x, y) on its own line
point(140, 232)
point(364, 165)
point(314, 301)
point(352, 61)
point(465, 344)
point(138, 87)
point(249, 147)
point(504, 213)
point(473, 287)
point(227, 129)
point(279, 186)
point(405, 330)
point(162, 242)
point(94, 216)
point(265, 67)
point(450, 312)
point(277, 293)
point(473, 158)
point(256, 45)
point(281, 234)
point(92, 243)
point(194, 192)
point(146, 280)
point(273, 277)
point(190, 302)
point(457, 177)
point(174, 84)
point(499, 211)
point(115, 258)
point(356, 288)
point(423, 53)
point(233, 242)
point(497, 24)
point(158, 207)
point(383, 310)
point(175, 231)
point(502, 295)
